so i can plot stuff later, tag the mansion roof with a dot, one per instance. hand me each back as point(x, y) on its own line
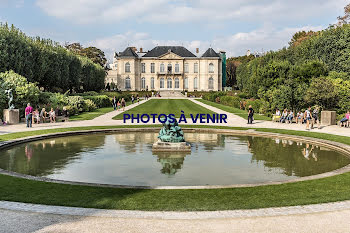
point(210, 53)
point(161, 50)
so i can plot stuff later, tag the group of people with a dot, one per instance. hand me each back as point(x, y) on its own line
point(33, 116)
point(309, 117)
point(118, 104)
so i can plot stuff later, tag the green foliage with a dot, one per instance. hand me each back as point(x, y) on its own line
point(100, 100)
point(119, 95)
point(256, 104)
point(23, 91)
point(47, 63)
point(233, 101)
point(89, 105)
point(322, 92)
point(212, 96)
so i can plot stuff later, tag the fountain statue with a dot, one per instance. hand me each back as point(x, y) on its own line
point(171, 138)
point(10, 97)
point(11, 115)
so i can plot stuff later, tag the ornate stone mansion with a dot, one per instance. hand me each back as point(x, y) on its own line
point(167, 68)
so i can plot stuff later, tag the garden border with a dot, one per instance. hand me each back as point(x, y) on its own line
point(343, 148)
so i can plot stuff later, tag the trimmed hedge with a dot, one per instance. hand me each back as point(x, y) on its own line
point(100, 101)
point(233, 101)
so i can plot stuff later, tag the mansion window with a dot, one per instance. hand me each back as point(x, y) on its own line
point(177, 68)
point(143, 83)
point(211, 83)
point(211, 68)
point(127, 83)
point(186, 68)
point(169, 83)
point(152, 68)
point(161, 83)
point(143, 68)
point(186, 83)
point(170, 67)
point(177, 83)
point(195, 68)
point(127, 67)
point(161, 69)
point(152, 83)
point(195, 83)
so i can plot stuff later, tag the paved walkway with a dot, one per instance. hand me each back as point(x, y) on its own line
point(233, 121)
point(328, 220)
point(18, 221)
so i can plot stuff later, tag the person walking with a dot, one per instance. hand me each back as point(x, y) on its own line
point(114, 102)
point(123, 104)
point(28, 115)
point(308, 117)
point(132, 99)
point(316, 119)
point(250, 114)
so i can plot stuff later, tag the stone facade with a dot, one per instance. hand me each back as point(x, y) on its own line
point(175, 69)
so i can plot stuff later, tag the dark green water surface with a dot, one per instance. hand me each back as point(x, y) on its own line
point(127, 159)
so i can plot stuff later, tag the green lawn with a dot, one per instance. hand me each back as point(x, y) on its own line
point(236, 111)
point(167, 106)
point(335, 188)
point(91, 115)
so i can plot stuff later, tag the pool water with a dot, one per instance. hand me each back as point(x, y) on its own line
point(127, 159)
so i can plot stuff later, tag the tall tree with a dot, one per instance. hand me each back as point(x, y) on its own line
point(300, 37)
point(95, 54)
point(345, 19)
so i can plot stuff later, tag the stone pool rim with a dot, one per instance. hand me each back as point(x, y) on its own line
point(339, 147)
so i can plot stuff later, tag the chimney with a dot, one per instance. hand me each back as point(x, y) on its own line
point(141, 50)
point(197, 50)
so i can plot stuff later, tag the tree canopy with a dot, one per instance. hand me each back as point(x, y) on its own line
point(47, 63)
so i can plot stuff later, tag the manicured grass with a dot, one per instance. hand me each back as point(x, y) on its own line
point(330, 189)
point(236, 111)
point(166, 106)
point(336, 188)
point(91, 115)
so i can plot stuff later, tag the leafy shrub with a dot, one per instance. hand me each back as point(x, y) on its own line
point(232, 101)
point(88, 93)
point(100, 100)
point(23, 91)
point(58, 99)
point(213, 95)
point(89, 105)
point(256, 104)
point(71, 110)
point(77, 102)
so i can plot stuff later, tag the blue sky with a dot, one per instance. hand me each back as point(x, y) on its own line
point(231, 25)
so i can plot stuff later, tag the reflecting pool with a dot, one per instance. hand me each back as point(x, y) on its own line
point(127, 159)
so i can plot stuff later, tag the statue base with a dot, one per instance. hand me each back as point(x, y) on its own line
point(171, 146)
point(11, 116)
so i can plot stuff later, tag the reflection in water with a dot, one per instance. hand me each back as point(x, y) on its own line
point(127, 158)
point(29, 152)
point(171, 161)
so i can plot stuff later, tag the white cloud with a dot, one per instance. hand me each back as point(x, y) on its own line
point(267, 38)
point(175, 11)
